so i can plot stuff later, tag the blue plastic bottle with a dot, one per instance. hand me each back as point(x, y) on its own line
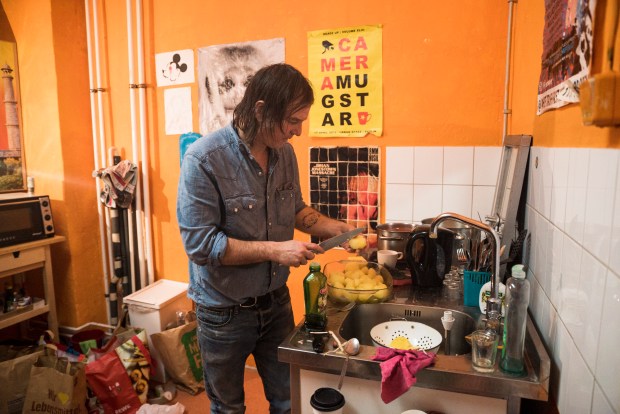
point(517, 301)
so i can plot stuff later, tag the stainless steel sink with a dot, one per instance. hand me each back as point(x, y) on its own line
point(451, 372)
point(362, 318)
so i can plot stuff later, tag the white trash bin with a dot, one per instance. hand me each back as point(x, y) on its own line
point(153, 308)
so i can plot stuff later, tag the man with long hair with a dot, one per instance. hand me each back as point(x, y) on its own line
point(239, 201)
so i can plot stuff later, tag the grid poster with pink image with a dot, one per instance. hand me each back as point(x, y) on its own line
point(344, 184)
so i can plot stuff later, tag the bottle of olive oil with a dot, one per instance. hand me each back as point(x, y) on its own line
point(315, 297)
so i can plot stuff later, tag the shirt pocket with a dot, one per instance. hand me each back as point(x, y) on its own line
point(285, 205)
point(242, 214)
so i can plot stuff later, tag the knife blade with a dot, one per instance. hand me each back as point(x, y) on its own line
point(341, 238)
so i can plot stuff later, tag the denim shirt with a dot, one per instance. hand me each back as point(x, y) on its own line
point(224, 193)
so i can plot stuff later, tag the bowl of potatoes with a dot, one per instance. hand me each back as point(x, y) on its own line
point(357, 281)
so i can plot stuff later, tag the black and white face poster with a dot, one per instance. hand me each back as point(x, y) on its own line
point(224, 72)
point(344, 184)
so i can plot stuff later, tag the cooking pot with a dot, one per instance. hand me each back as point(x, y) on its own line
point(429, 259)
point(393, 236)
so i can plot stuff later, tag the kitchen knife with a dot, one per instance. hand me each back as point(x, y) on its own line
point(341, 238)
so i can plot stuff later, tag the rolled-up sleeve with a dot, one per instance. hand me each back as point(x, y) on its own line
point(199, 213)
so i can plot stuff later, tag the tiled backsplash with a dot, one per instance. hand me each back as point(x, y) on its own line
point(422, 182)
point(573, 215)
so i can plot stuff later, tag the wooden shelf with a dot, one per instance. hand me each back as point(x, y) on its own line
point(30, 256)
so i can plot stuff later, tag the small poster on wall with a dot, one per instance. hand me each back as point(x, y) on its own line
point(567, 52)
point(12, 165)
point(224, 72)
point(344, 184)
point(345, 67)
point(178, 110)
point(174, 68)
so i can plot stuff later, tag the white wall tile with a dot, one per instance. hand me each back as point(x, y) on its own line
point(614, 248)
point(608, 357)
point(600, 201)
point(458, 165)
point(576, 192)
point(428, 165)
point(399, 202)
point(561, 357)
point(553, 274)
point(558, 188)
point(486, 165)
point(426, 201)
point(579, 384)
point(600, 405)
point(531, 193)
point(457, 199)
point(482, 201)
point(399, 165)
point(575, 291)
point(591, 290)
point(541, 179)
point(545, 164)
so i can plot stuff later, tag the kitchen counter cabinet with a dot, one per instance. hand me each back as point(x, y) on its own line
point(25, 257)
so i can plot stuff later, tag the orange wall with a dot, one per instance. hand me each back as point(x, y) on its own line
point(561, 127)
point(443, 84)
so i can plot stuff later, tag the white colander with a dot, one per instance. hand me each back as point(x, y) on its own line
point(419, 334)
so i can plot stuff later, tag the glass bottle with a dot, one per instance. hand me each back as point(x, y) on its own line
point(517, 301)
point(9, 298)
point(315, 298)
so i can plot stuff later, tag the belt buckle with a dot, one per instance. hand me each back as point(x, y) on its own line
point(243, 305)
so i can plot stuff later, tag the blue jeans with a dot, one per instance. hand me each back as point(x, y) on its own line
point(227, 336)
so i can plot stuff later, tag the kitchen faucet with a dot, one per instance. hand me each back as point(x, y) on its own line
point(493, 303)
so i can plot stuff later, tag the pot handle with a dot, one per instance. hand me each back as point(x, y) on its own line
point(391, 238)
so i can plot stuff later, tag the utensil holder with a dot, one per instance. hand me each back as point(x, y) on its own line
point(473, 282)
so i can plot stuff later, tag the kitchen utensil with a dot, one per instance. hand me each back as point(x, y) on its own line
point(341, 238)
point(351, 347)
point(429, 259)
point(418, 334)
point(341, 276)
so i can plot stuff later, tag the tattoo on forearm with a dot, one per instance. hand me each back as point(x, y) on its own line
point(310, 219)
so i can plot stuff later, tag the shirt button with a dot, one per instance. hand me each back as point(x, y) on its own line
point(236, 209)
point(260, 173)
point(250, 206)
point(269, 224)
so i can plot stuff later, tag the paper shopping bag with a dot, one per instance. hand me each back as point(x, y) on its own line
point(56, 385)
point(14, 377)
point(179, 353)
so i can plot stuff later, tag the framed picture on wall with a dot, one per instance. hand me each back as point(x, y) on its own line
point(12, 162)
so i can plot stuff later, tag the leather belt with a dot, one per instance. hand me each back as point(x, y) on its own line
point(264, 301)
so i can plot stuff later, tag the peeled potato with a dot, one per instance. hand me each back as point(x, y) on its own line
point(358, 242)
point(362, 283)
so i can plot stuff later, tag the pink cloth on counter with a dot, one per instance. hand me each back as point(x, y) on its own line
point(398, 370)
